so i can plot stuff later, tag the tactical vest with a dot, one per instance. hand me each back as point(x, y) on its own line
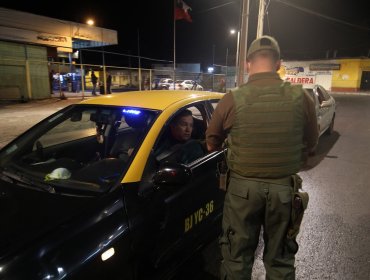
point(266, 139)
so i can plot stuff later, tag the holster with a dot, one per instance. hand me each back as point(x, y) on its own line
point(223, 173)
point(299, 205)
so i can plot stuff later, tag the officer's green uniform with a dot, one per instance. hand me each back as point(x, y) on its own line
point(265, 148)
point(265, 144)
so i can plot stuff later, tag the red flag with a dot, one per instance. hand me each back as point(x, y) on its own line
point(181, 11)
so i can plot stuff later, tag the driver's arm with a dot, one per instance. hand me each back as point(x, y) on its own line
point(221, 123)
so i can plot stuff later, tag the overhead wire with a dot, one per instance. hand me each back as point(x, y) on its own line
point(216, 7)
point(322, 15)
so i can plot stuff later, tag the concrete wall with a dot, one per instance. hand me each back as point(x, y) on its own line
point(23, 72)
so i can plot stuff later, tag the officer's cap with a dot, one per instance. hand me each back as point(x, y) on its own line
point(264, 43)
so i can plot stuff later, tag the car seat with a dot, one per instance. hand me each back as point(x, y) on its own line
point(128, 139)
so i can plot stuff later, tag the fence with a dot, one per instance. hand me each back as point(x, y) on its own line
point(77, 78)
point(36, 79)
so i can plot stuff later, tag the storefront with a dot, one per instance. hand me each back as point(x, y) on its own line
point(337, 75)
point(25, 54)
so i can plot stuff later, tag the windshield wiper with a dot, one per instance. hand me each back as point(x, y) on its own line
point(24, 181)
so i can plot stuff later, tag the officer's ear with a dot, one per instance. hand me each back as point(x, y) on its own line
point(278, 65)
point(248, 66)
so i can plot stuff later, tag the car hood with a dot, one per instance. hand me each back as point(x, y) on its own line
point(27, 215)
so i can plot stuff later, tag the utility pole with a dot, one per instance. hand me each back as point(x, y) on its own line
point(213, 65)
point(261, 15)
point(138, 54)
point(243, 42)
point(227, 54)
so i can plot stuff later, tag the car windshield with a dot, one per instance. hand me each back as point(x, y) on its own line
point(80, 149)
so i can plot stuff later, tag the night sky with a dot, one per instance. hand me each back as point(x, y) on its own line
point(306, 30)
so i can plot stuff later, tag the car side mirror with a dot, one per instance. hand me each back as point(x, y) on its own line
point(172, 174)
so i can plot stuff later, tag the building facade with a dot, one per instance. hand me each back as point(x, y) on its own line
point(337, 75)
point(29, 42)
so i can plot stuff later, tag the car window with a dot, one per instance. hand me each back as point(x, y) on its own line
point(69, 130)
point(93, 145)
point(214, 103)
point(168, 148)
point(325, 95)
point(320, 95)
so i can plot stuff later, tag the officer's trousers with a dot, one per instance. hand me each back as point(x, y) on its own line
point(249, 206)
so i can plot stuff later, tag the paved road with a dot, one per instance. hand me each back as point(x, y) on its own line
point(335, 235)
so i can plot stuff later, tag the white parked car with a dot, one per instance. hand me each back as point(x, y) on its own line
point(165, 83)
point(325, 108)
point(189, 85)
point(176, 85)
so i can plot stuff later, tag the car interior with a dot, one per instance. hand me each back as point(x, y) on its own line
point(93, 146)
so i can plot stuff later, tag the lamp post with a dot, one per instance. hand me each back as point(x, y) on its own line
point(232, 32)
point(90, 21)
point(261, 14)
point(227, 54)
point(138, 54)
point(213, 65)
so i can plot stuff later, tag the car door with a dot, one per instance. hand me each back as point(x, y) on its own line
point(193, 207)
point(329, 105)
point(325, 108)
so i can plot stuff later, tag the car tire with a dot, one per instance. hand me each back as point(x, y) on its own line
point(330, 129)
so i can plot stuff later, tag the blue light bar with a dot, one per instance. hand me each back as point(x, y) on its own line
point(131, 111)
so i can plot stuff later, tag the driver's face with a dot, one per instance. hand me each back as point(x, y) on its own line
point(182, 130)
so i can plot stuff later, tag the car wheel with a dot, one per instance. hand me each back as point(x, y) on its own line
point(330, 129)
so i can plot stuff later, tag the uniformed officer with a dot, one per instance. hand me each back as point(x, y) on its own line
point(270, 126)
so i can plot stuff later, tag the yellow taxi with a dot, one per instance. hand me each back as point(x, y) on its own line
point(90, 192)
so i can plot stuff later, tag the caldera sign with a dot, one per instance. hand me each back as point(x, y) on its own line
point(304, 80)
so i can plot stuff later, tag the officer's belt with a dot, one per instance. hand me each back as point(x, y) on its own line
point(286, 181)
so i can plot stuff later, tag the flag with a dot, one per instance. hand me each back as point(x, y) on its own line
point(181, 11)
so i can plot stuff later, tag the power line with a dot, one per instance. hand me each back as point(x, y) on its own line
point(216, 7)
point(322, 15)
point(128, 55)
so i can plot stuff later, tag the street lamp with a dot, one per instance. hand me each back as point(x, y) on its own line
point(90, 21)
point(232, 32)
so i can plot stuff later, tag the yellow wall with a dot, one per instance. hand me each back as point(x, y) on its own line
point(349, 75)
